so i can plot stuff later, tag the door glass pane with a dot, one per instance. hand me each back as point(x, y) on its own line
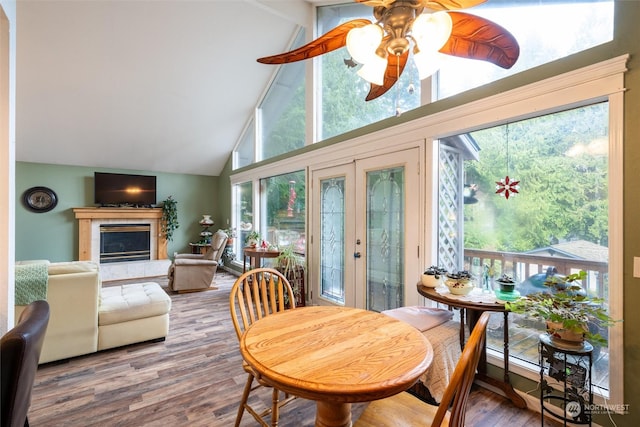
point(332, 231)
point(385, 239)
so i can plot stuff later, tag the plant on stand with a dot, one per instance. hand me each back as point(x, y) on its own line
point(293, 267)
point(570, 314)
point(169, 221)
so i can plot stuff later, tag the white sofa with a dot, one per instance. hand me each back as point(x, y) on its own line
point(85, 317)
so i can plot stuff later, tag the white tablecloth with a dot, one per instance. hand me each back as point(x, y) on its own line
point(445, 340)
point(476, 295)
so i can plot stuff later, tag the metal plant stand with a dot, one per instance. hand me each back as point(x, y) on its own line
point(571, 368)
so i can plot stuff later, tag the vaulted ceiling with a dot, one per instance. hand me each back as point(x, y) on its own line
point(154, 85)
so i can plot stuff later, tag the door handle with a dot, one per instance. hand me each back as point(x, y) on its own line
point(356, 255)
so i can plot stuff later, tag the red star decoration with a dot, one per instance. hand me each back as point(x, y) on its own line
point(506, 186)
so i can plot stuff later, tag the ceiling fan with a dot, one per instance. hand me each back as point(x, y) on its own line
point(432, 28)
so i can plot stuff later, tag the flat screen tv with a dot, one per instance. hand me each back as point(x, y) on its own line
point(116, 189)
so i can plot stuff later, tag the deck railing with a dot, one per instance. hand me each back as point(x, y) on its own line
point(521, 266)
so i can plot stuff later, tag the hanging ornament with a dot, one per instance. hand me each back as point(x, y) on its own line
point(507, 186)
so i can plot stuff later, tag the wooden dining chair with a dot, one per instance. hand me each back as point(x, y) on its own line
point(405, 410)
point(256, 294)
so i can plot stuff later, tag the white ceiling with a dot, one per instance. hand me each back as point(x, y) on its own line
point(153, 85)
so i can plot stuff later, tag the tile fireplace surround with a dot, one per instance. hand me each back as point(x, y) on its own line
point(89, 221)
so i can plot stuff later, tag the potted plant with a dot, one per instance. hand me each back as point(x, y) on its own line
point(459, 283)
point(231, 234)
point(571, 316)
point(506, 283)
point(433, 276)
point(293, 267)
point(169, 221)
point(253, 238)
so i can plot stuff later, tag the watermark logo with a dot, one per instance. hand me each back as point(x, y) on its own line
point(607, 408)
point(574, 408)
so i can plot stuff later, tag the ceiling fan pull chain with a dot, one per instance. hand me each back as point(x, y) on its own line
point(398, 112)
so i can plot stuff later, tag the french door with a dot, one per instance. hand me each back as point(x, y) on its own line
point(364, 223)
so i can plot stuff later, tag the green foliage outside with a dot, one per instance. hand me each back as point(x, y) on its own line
point(278, 199)
point(561, 162)
point(343, 96)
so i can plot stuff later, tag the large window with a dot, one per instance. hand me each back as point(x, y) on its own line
point(545, 30)
point(244, 154)
point(282, 111)
point(558, 222)
point(283, 206)
point(342, 106)
point(243, 217)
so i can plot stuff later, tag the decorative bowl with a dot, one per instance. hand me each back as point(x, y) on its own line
point(459, 287)
point(507, 284)
point(506, 287)
point(431, 280)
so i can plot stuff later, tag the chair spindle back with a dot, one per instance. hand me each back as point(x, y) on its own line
point(256, 294)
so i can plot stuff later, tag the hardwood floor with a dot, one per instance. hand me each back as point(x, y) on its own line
point(193, 378)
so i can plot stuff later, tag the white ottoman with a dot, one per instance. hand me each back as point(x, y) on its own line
point(129, 314)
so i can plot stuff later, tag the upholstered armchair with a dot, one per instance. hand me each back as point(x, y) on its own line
point(195, 272)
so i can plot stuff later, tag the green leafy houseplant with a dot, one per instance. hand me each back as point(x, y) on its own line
point(293, 267)
point(230, 232)
point(290, 263)
point(253, 237)
point(169, 222)
point(567, 309)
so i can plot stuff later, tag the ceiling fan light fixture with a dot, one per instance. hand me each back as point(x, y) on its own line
point(384, 45)
point(362, 42)
point(431, 31)
point(373, 71)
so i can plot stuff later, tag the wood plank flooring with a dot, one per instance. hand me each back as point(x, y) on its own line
point(193, 378)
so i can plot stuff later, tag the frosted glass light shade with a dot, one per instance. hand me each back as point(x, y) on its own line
point(431, 30)
point(427, 62)
point(362, 42)
point(373, 71)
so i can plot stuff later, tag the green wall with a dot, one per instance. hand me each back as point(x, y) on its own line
point(53, 235)
point(626, 41)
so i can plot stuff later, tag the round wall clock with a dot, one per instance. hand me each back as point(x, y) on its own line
point(40, 199)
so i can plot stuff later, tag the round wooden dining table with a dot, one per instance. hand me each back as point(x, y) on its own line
point(336, 356)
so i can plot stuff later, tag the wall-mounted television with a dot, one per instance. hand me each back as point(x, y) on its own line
point(116, 189)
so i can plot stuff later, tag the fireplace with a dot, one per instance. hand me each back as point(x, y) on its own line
point(125, 242)
point(90, 244)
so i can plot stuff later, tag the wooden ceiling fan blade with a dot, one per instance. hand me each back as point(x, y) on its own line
point(431, 4)
point(478, 38)
point(450, 4)
point(330, 41)
point(376, 3)
point(395, 67)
